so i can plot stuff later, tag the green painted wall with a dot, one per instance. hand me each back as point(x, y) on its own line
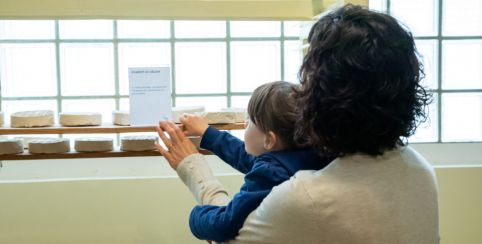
point(156, 210)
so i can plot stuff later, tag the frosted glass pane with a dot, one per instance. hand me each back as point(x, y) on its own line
point(200, 29)
point(428, 52)
point(462, 17)
point(419, 15)
point(427, 131)
point(253, 64)
point(103, 106)
point(10, 107)
point(462, 117)
point(240, 101)
point(210, 103)
point(143, 29)
point(124, 104)
point(293, 59)
point(141, 55)
point(201, 67)
point(27, 29)
point(87, 69)
point(238, 133)
point(86, 29)
point(378, 5)
point(255, 28)
point(293, 28)
point(28, 70)
point(462, 64)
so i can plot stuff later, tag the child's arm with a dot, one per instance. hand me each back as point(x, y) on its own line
point(221, 223)
point(226, 146)
point(209, 222)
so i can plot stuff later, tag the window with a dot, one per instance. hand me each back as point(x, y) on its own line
point(448, 35)
point(57, 65)
point(79, 65)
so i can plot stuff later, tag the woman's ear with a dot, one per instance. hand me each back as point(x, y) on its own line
point(270, 141)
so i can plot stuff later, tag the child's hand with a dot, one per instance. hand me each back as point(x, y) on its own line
point(193, 125)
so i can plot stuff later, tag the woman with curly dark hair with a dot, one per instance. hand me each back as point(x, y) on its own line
point(360, 98)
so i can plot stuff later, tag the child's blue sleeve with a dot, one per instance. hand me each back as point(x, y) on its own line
point(229, 148)
point(221, 223)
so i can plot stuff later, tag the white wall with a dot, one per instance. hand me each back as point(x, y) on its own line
point(140, 200)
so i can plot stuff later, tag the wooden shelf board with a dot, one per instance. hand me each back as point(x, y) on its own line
point(104, 129)
point(71, 155)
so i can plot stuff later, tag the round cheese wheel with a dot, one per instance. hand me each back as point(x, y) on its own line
point(138, 143)
point(10, 146)
point(120, 118)
point(49, 145)
point(38, 118)
point(218, 117)
point(94, 144)
point(1, 118)
point(80, 119)
point(240, 114)
point(178, 111)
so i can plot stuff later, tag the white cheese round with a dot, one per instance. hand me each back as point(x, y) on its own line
point(178, 111)
point(26, 140)
point(94, 144)
point(120, 118)
point(49, 145)
point(240, 114)
point(1, 118)
point(10, 146)
point(218, 117)
point(38, 118)
point(138, 143)
point(80, 119)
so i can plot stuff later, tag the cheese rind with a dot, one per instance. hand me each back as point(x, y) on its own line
point(177, 112)
point(10, 146)
point(218, 117)
point(94, 144)
point(26, 140)
point(120, 117)
point(138, 143)
point(49, 146)
point(29, 119)
point(1, 118)
point(80, 119)
point(240, 114)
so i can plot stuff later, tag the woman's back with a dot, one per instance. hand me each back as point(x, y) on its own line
point(356, 199)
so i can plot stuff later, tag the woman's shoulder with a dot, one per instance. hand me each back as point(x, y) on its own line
point(351, 175)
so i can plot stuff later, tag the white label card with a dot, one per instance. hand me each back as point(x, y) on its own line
point(150, 95)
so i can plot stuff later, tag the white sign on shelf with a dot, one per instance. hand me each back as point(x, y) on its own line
point(150, 95)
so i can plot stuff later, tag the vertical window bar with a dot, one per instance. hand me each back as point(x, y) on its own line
point(228, 63)
point(173, 64)
point(57, 64)
point(116, 66)
point(282, 47)
point(116, 74)
point(439, 72)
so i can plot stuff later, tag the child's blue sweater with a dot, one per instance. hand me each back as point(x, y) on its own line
point(221, 223)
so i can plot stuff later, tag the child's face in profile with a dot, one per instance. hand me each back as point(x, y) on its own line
point(254, 139)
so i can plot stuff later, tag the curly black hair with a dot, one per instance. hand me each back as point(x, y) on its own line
point(360, 79)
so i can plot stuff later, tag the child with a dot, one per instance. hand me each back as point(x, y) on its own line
point(268, 156)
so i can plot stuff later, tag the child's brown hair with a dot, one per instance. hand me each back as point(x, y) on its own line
point(272, 107)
